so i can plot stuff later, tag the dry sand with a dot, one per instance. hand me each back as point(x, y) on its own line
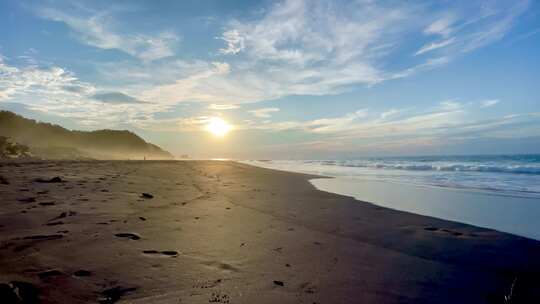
point(223, 232)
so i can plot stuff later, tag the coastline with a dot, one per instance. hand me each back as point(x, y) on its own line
point(503, 211)
point(231, 231)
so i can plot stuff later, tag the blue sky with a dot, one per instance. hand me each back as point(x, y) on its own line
point(296, 79)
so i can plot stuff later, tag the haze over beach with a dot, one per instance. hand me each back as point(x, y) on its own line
point(286, 151)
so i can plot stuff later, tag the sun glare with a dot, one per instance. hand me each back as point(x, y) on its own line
point(218, 127)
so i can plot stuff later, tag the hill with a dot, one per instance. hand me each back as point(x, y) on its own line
point(51, 141)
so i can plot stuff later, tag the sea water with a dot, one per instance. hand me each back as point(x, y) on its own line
point(501, 192)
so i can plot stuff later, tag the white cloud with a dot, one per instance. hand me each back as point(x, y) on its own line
point(35, 80)
point(433, 126)
point(223, 106)
point(59, 92)
point(435, 45)
point(264, 112)
point(442, 26)
point(389, 113)
point(96, 29)
point(450, 105)
point(235, 42)
point(488, 103)
point(473, 25)
point(298, 47)
point(293, 47)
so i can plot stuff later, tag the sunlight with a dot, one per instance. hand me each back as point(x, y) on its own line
point(218, 127)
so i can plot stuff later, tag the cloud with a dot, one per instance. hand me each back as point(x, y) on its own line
point(235, 42)
point(434, 45)
point(35, 80)
point(116, 98)
point(295, 48)
point(390, 113)
point(496, 22)
point(264, 112)
point(450, 105)
point(473, 25)
point(97, 29)
point(298, 47)
point(56, 91)
point(203, 85)
point(434, 126)
point(525, 35)
point(488, 103)
point(223, 106)
point(292, 47)
point(442, 26)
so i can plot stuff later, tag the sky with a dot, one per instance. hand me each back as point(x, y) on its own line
point(295, 79)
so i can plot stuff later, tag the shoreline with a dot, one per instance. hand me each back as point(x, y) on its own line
point(502, 212)
point(230, 230)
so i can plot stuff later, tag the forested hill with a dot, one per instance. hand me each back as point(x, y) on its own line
point(47, 140)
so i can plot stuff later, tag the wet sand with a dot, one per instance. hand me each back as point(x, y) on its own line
point(223, 232)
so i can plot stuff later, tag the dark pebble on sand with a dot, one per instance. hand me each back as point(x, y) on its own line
point(142, 218)
point(279, 283)
point(169, 252)
point(146, 195)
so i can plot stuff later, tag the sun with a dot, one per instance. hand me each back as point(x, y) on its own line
point(218, 126)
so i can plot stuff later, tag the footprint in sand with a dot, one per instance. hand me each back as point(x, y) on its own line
point(55, 223)
point(218, 297)
point(112, 295)
point(3, 181)
point(131, 236)
point(452, 232)
point(55, 179)
point(49, 273)
point(207, 284)
point(19, 292)
point(170, 253)
point(82, 273)
point(27, 200)
point(46, 203)
point(43, 237)
point(221, 266)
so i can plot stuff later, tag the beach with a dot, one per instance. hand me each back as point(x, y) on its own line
point(226, 232)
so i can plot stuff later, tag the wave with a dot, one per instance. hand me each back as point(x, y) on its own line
point(501, 176)
point(516, 169)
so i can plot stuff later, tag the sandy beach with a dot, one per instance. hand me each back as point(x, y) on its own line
point(224, 232)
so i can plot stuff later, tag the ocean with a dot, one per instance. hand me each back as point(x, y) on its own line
point(501, 192)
